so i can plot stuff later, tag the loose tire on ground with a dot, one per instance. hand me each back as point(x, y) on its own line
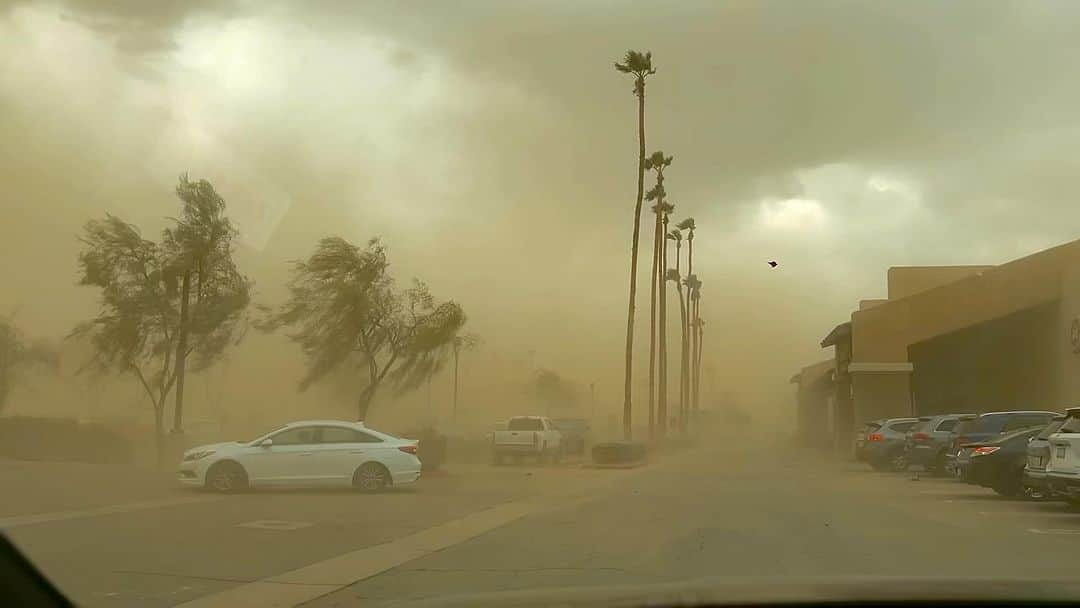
point(371, 477)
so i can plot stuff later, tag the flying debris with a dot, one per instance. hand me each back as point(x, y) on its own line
point(773, 263)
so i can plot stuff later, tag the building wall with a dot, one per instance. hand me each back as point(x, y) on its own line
point(881, 395)
point(1068, 361)
point(909, 280)
point(1006, 363)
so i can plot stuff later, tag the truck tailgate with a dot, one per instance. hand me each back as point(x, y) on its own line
point(515, 437)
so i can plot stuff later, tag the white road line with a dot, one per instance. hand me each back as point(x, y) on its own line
point(1059, 531)
point(318, 579)
point(44, 518)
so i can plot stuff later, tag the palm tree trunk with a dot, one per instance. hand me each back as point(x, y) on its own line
point(181, 354)
point(661, 413)
point(628, 377)
point(682, 362)
point(655, 281)
point(697, 361)
point(691, 328)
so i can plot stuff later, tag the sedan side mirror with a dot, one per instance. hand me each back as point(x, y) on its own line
point(265, 443)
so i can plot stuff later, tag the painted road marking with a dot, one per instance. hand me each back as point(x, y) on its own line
point(44, 518)
point(275, 524)
point(318, 579)
point(1058, 531)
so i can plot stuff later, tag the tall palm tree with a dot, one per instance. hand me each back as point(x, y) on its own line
point(676, 235)
point(640, 65)
point(688, 226)
point(693, 295)
point(664, 211)
point(656, 162)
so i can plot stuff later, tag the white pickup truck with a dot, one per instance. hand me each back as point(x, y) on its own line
point(528, 436)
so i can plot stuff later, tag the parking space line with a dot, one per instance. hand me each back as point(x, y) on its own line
point(44, 518)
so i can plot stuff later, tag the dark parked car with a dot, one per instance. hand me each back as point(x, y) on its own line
point(988, 426)
point(999, 463)
point(1038, 455)
point(884, 447)
point(928, 440)
point(575, 432)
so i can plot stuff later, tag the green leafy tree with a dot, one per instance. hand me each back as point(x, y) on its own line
point(199, 248)
point(640, 66)
point(17, 355)
point(343, 308)
point(136, 331)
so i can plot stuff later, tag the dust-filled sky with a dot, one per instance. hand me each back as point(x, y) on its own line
point(493, 147)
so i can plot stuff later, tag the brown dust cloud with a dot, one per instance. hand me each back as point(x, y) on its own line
point(492, 148)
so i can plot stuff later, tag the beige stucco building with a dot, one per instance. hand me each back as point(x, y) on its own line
point(961, 339)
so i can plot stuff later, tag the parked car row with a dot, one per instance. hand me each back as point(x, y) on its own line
point(1031, 453)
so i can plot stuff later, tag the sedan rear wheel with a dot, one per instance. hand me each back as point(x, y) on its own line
point(371, 477)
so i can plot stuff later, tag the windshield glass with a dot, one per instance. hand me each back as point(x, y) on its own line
point(646, 301)
point(526, 424)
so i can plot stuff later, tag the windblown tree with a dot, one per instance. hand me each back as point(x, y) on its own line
point(343, 310)
point(640, 66)
point(460, 344)
point(656, 162)
point(136, 331)
point(17, 355)
point(200, 253)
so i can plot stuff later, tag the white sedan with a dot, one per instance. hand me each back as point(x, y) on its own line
point(309, 453)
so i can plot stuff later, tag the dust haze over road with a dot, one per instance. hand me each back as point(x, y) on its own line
point(271, 212)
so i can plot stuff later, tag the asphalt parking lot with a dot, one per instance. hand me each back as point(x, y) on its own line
point(727, 511)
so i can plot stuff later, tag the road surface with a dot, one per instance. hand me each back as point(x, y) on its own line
point(747, 513)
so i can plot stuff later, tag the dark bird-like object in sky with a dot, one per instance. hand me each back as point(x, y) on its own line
point(773, 263)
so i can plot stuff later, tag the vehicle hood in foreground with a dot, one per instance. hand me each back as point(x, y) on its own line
point(771, 591)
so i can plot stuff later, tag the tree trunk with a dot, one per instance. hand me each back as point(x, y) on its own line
point(691, 326)
point(159, 432)
point(697, 362)
point(682, 362)
point(181, 354)
point(455, 383)
point(654, 284)
point(628, 378)
point(363, 404)
point(661, 407)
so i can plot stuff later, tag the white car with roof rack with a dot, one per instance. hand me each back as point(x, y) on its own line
point(305, 453)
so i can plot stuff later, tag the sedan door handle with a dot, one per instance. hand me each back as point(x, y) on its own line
point(357, 452)
point(307, 454)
